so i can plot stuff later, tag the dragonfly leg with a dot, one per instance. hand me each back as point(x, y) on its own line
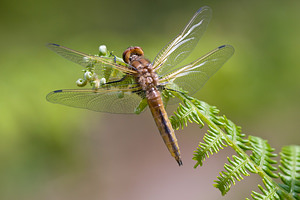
point(163, 88)
point(117, 81)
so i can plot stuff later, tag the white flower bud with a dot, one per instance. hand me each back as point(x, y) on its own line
point(88, 75)
point(102, 81)
point(81, 82)
point(86, 59)
point(103, 50)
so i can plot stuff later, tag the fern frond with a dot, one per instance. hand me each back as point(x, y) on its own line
point(223, 132)
point(261, 155)
point(235, 133)
point(238, 167)
point(271, 192)
point(185, 113)
point(213, 143)
point(189, 112)
point(290, 167)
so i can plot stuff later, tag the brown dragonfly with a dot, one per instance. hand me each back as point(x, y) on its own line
point(129, 85)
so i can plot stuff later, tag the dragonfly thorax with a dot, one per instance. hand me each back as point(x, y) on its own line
point(146, 76)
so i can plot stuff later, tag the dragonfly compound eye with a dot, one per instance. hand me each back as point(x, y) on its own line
point(132, 52)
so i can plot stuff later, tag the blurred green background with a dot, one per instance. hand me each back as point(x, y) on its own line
point(50, 151)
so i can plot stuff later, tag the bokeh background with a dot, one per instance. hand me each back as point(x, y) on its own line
point(50, 151)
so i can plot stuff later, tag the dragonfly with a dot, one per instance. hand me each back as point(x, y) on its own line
point(132, 84)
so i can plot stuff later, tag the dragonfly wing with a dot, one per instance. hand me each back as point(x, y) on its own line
point(99, 63)
point(183, 44)
point(193, 76)
point(110, 100)
point(70, 54)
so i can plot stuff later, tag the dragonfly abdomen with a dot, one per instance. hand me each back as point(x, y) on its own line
point(163, 123)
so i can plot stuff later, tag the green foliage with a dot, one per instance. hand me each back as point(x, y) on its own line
point(222, 133)
point(290, 167)
point(269, 193)
point(213, 143)
point(234, 171)
point(261, 155)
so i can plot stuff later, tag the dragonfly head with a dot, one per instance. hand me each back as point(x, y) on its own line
point(132, 53)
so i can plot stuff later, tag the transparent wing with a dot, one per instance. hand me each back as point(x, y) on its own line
point(112, 100)
point(183, 44)
point(192, 77)
point(100, 63)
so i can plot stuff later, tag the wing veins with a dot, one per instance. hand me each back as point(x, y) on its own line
point(187, 68)
point(84, 59)
point(183, 43)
